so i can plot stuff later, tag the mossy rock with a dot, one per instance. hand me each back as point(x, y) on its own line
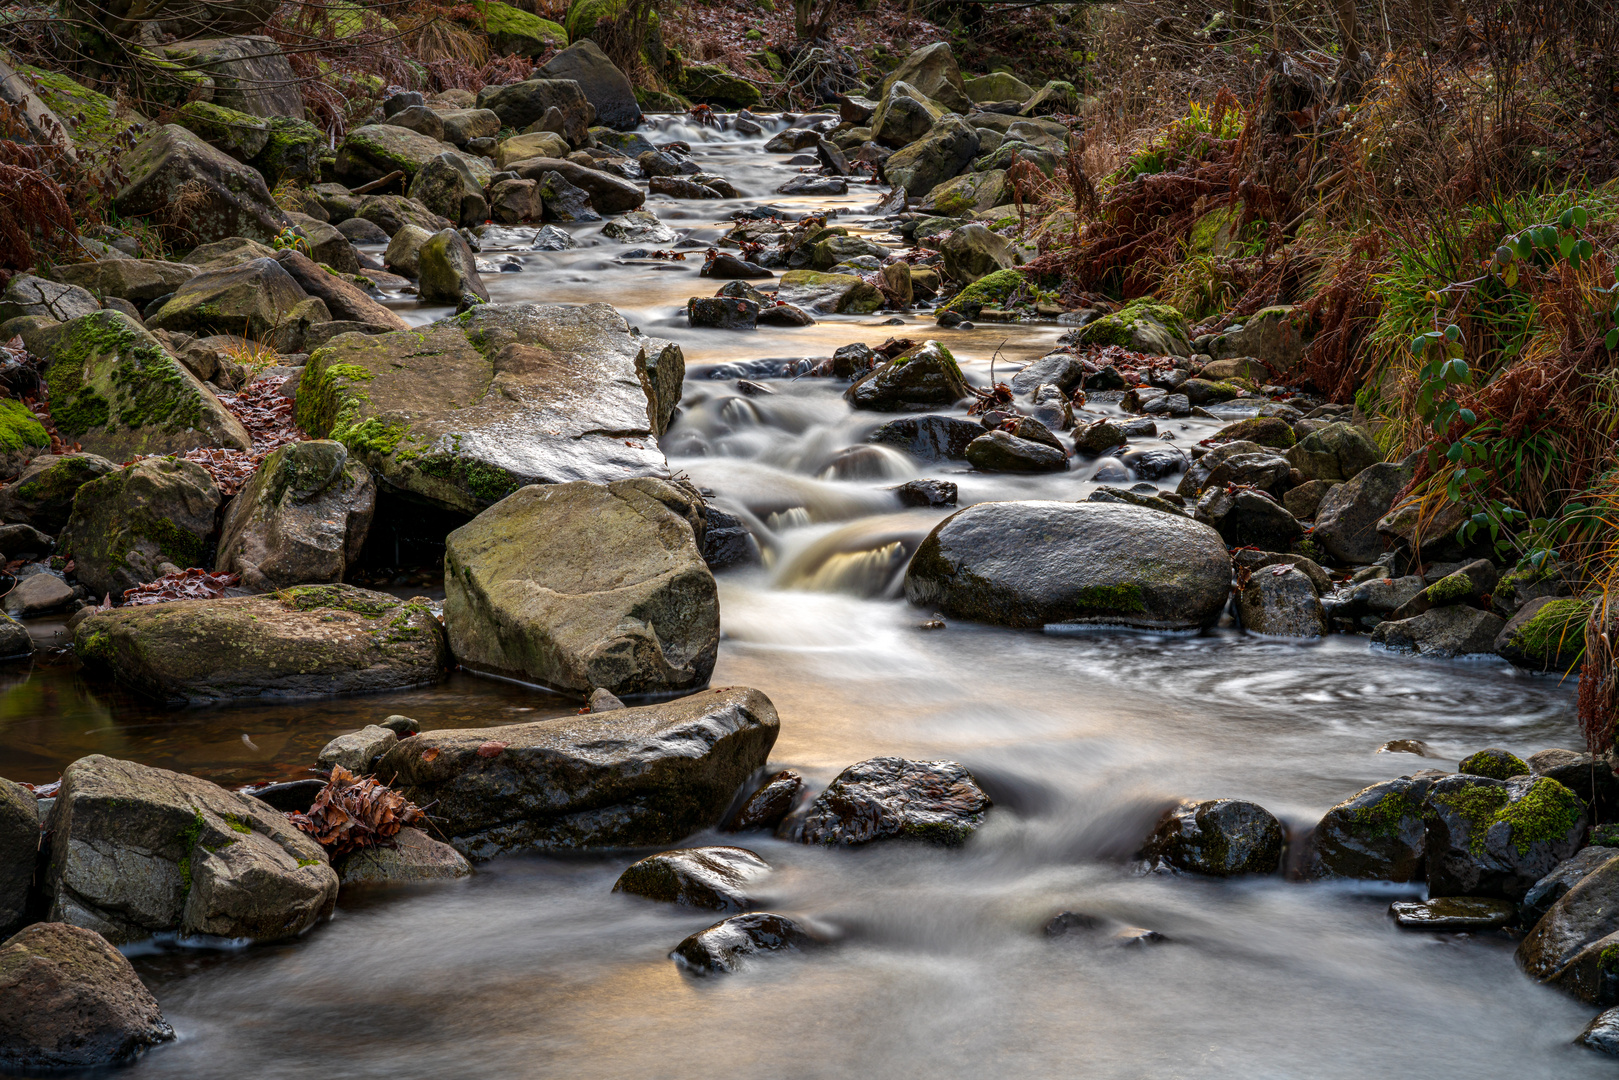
point(291, 152)
point(515, 32)
point(660, 101)
point(238, 134)
point(1489, 837)
point(1270, 431)
point(139, 523)
point(42, 495)
point(712, 84)
point(1143, 325)
point(1213, 233)
point(991, 290)
point(1546, 634)
point(20, 429)
point(340, 20)
point(94, 120)
point(594, 19)
point(1495, 763)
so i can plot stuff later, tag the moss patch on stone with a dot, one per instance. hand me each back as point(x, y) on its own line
point(1495, 764)
point(19, 428)
point(145, 384)
point(991, 290)
point(1558, 623)
point(1383, 818)
point(1123, 599)
point(1115, 329)
point(1545, 812)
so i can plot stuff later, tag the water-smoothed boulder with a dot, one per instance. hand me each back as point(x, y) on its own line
point(635, 777)
point(372, 151)
point(932, 70)
point(1143, 326)
point(846, 294)
point(1281, 601)
point(926, 377)
point(627, 604)
point(904, 114)
point(463, 412)
point(717, 878)
point(140, 281)
point(892, 798)
point(609, 194)
point(1277, 336)
point(1575, 945)
point(26, 295)
point(1246, 518)
point(300, 520)
point(139, 523)
point(725, 946)
point(390, 213)
point(1338, 451)
point(223, 197)
point(448, 187)
point(1218, 837)
point(1379, 833)
point(69, 1000)
point(766, 807)
point(252, 300)
point(520, 104)
point(344, 300)
point(116, 391)
point(357, 751)
point(42, 494)
point(303, 642)
point(461, 126)
point(19, 852)
point(137, 851)
point(1564, 876)
point(1030, 564)
point(414, 859)
point(1443, 632)
point(974, 252)
point(447, 272)
point(948, 147)
point(927, 437)
point(1498, 837)
point(603, 84)
point(1346, 517)
point(997, 86)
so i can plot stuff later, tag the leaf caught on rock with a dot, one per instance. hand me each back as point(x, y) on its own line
point(353, 812)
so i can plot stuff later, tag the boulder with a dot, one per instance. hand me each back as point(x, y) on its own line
point(253, 300)
point(1554, 886)
point(300, 520)
point(1442, 632)
point(1377, 834)
point(562, 201)
point(846, 294)
point(1268, 431)
point(390, 213)
point(630, 777)
point(970, 192)
point(1218, 838)
point(903, 115)
point(1098, 563)
point(722, 312)
point(248, 74)
point(140, 523)
point(723, 947)
point(1099, 435)
point(948, 148)
point(222, 197)
point(1264, 471)
point(1498, 837)
point(446, 186)
point(372, 151)
point(1276, 336)
point(1347, 515)
point(448, 273)
point(546, 144)
point(420, 119)
point(293, 152)
point(462, 413)
point(140, 281)
point(1143, 326)
point(927, 437)
point(766, 807)
point(1338, 451)
point(229, 252)
point(1495, 763)
point(241, 135)
point(405, 248)
point(19, 852)
point(515, 201)
point(932, 70)
point(1197, 477)
point(1469, 585)
point(461, 126)
point(997, 86)
point(713, 84)
point(603, 85)
point(717, 878)
point(972, 252)
point(69, 1000)
point(1546, 634)
point(1567, 946)
point(924, 377)
point(892, 798)
point(1281, 601)
point(42, 494)
point(33, 595)
point(413, 859)
point(636, 612)
point(344, 300)
point(358, 750)
point(303, 642)
point(520, 104)
point(137, 851)
point(1002, 451)
point(1246, 518)
point(1602, 1034)
point(325, 244)
point(835, 249)
point(638, 227)
point(609, 194)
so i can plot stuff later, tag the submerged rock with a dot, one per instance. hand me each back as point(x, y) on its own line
point(69, 1000)
point(137, 851)
point(896, 798)
point(1098, 563)
point(306, 641)
point(1219, 837)
point(1377, 834)
point(724, 946)
point(1454, 913)
point(625, 603)
point(1497, 838)
point(718, 878)
point(636, 777)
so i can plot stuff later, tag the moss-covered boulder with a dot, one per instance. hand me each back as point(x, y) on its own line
point(21, 433)
point(995, 289)
point(1144, 326)
point(514, 32)
point(448, 187)
point(924, 377)
point(1494, 762)
point(251, 300)
point(172, 167)
point(118, 393)
point(42, 494)
point(845, 294)
point(632, 610)
point(304, 642)
point(712, 84)
point(241, 135)
point(903, 115)
point(137, 851)
point(1271, 431)
point(463, 412)
point(1030, 564)
point(1376, 834)
point(1488, 837)
point(638, 777)
point(447, 272)
point(596, 20)
point(139, 523)
point(932, 69)
point(948, 148)
point(1276, 335)
point(95, 121)
point(300, 520)
point(969, 192)
point(997, 86)
point(1546, 634)
point(372, 151)
point(835, 249)
point(292, 151)
point(973, 251)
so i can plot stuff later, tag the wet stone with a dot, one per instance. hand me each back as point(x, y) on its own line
point(1219, 838)
point(1602, 1034)
point(927, 492)
point(766, 807)
point(717, 878)
point(1377, 834)
point(1453, 913)
point(723, 947)
point(897, 798)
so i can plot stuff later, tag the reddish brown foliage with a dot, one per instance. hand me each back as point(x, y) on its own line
point(268, 418)
point(190, 584)
point(351, 813)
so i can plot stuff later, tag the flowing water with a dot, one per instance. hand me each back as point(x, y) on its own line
point(534, 968)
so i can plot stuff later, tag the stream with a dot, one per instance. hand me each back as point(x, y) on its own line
point(534, 968)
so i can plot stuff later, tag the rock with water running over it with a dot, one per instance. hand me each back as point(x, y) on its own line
point(723, 947)
point(1575, 945)
point(895, 798)
point(927, 437)
point(1454, 914)
point(627, 603)
point(1489, 837)
point(1218, 838)
point(717, 878)
point(303, 642)
point(463, 412)
point(69, 1000)
point(137, 851)
point(1377, 834)
point(1033, 564)
point(638, 777)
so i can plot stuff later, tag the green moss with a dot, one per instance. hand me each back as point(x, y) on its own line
point(991, 290)
point(1605, 836)
point(518, 32)
point(1478, 805)
point(150, 387)
point(486, 483)
point(1450, 589)
point(1123, 599)
point(1115, 329)
point(339, 597)
point(1556, 624)
point(20, 428)
point(1384, 818)
point(237, 824)
point(188, 843)
point(1547, 811)
point(308, 862)
point(371, 436)
point(93, 118)
point(1496, 764)
point(291, 153)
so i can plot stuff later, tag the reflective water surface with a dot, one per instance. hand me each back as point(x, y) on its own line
point(939, 969)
